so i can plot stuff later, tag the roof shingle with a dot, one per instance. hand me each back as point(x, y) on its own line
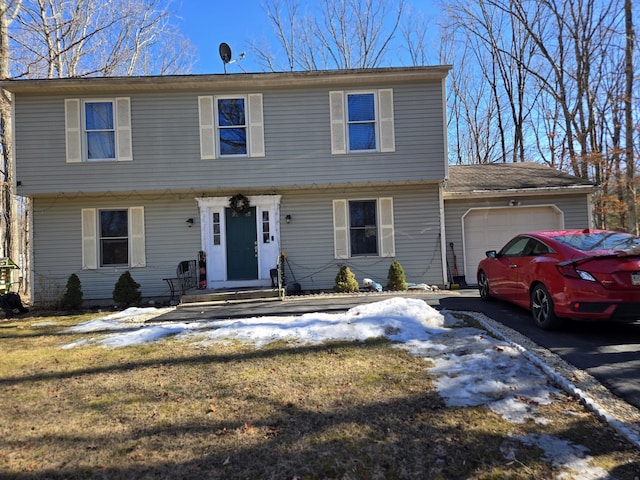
point(508, 176)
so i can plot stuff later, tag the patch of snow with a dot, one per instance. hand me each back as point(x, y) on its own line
point(564, 455)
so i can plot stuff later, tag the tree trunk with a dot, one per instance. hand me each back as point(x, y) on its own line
point(6, 188)
point(628, 114)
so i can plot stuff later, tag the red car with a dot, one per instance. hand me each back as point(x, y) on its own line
point(577, 274)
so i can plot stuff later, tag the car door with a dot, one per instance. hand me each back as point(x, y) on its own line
point(505, 277)
point(524, 268)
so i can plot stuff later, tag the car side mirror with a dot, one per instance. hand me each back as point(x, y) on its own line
point(491, 254)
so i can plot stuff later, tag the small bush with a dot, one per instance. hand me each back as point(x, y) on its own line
point(395, 279)
point(346, 281)
point(72, 298)
point(126, 291)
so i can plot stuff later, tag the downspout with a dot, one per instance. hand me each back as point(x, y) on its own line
point(445, 142)
point(443, 243)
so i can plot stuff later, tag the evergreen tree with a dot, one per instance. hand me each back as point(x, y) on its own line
point(126, 291)
point(395, 278)
point(346, 281)
point(72, 298)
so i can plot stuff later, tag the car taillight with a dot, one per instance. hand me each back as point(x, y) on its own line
point(570, 270)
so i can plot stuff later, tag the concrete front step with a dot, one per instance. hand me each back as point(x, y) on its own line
point(227, 295)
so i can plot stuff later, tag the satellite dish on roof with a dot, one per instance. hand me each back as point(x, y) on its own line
point(225, 52)
point(225, 55)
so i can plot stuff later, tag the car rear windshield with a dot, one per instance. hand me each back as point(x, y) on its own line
point(588, 241)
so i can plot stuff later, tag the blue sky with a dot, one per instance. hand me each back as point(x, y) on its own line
point(208, 23)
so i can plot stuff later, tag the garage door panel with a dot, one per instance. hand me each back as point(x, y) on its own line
point(491, 228)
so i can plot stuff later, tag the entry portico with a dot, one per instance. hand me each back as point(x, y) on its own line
point(242, 246)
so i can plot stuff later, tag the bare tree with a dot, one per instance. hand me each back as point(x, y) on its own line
point(285, 23)
point(415, 31)
point(53, 39)
point(628, 116)
point(502, 53)
point(560, 74)
point(8, 204)
point(472, 110)
point(342, 34)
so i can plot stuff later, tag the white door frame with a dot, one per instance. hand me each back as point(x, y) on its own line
point(268, 238)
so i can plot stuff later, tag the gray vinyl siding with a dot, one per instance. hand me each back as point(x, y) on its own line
point(308, 239)
point(57, 246)
point(574, 207)
point(166, 152)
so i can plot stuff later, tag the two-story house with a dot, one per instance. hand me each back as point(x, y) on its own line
point(139, 173)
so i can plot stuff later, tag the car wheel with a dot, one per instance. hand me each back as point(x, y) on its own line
point(542, 309)
point(483, 286)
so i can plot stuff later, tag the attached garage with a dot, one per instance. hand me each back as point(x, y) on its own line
point(490, 228)
point(485, 205)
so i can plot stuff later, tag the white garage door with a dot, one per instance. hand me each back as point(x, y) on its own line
point(490, 228)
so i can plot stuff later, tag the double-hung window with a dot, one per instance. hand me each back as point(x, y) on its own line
point(363, 228)
point(362, 121)
point(100, 133)
point(231, 126)
point(113, 237)
point(98, 129)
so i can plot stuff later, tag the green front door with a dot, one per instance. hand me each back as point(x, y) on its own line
point(242, 247)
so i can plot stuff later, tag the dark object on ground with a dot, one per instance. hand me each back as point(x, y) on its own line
point(457, 279)
point(10, 302)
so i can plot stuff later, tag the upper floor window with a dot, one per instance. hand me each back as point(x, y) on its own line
point(98, 129)
point(231, 126)
point(362, 121)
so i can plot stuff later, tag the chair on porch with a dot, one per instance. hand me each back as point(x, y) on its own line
point(186, 279)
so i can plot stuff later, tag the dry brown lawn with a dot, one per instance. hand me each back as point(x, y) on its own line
point(174, 409)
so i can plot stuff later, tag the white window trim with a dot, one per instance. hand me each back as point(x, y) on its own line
point(384, 226)
point(91, 238)
point(209, 129)
point(218, 128)
point(385, 123)
point(75, 129)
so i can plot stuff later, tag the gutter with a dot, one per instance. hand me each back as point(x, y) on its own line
point(520, 192)
point(228, 82)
